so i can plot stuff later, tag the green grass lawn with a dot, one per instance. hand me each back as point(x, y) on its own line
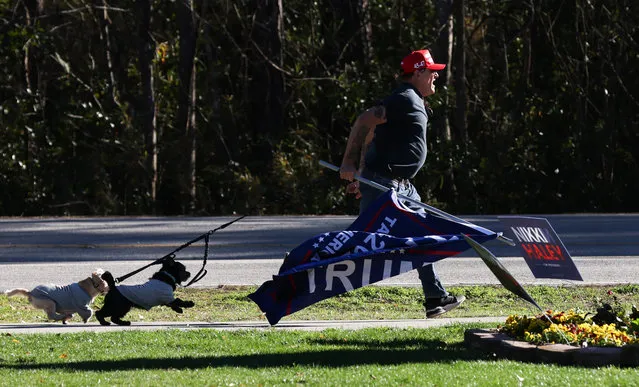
point(205, 357)
point(418, 357)
point(372, 302)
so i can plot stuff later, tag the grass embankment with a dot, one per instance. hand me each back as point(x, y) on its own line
point(373, 302)
point(420, 357)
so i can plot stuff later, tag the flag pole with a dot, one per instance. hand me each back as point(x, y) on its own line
point(426, 207)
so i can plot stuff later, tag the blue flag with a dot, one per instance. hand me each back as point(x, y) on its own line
point(386, 240)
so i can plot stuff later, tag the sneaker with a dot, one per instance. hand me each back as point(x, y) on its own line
point(437, 306)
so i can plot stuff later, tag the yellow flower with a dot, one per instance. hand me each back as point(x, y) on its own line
point(570, 326)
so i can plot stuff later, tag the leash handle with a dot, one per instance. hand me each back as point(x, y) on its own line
point(200, 274)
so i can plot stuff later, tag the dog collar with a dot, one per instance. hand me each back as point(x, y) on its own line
point(170, 276)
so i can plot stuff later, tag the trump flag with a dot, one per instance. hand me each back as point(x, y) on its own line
point(386, 240)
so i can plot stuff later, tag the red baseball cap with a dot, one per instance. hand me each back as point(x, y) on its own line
point(420, 59)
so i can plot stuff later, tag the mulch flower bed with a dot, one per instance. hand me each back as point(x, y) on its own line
point(610, 336)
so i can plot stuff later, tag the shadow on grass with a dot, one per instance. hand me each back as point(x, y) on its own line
point(422, 351)
point(394, 345)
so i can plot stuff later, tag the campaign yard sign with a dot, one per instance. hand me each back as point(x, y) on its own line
point(541, 247)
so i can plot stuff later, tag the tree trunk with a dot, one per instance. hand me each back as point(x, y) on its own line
point(443, 54)
point(32, 146)
point(268, 81)
point(33, 9)
point(146, 50)
point(366, 30)
point(341, 23)
point(266, 87)
point(441, 123)
point(105, 36)
point(459, 62)
point(497, 60)
point(187, 94)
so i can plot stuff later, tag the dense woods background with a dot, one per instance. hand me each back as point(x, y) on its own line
point(209, 107)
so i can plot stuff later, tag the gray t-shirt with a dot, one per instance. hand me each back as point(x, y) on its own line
point(399, 147)
point(149, 294)
point(68, 299)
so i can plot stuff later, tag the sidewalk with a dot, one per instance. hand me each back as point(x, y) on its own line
point(24, 328)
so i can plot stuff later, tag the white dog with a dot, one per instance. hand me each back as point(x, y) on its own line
point(60, 302)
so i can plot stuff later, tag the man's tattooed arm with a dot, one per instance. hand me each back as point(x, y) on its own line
point(360, 137)
point(380, 112)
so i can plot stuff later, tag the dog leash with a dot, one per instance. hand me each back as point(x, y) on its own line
point(200, 274)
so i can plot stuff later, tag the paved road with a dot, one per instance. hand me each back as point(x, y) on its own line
point(605, 248)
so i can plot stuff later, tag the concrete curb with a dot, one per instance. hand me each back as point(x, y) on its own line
point(502, 345)
point(57, 328)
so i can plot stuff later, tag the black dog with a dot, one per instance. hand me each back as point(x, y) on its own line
point(157, 291)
